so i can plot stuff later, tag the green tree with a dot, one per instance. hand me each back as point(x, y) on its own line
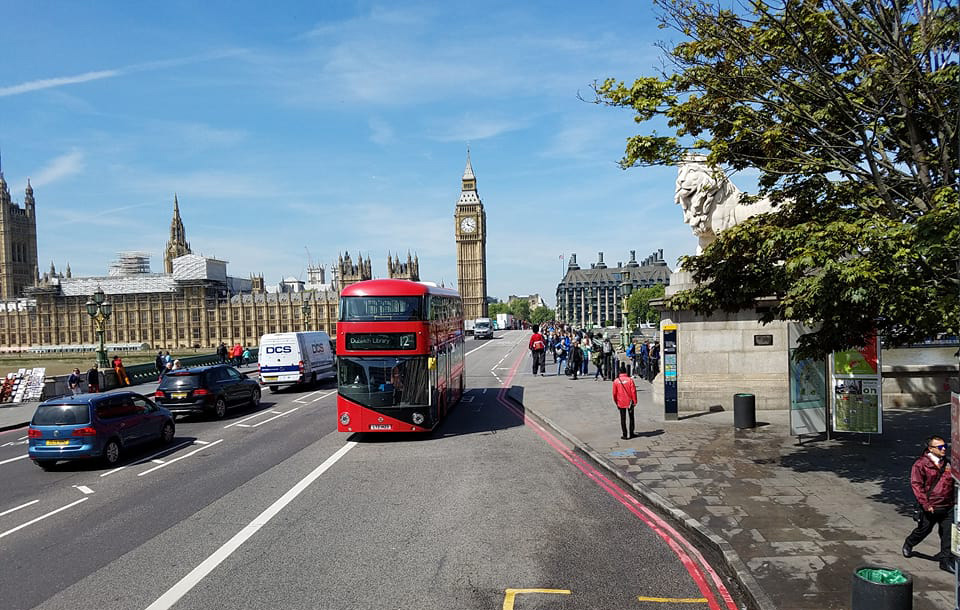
point(638, 305)
point(494, 308)
point(520, 308)
point(849, 110)
point(541, 314)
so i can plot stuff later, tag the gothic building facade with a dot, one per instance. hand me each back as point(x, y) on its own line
point(593, 297)
point(19, 266)
point(471, 235)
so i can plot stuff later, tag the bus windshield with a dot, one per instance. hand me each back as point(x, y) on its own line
point(367, 309)
point(383, 381)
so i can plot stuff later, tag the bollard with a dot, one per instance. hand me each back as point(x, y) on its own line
point(744, 411)
point(871, 595)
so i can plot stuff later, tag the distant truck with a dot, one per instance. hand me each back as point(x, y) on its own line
point(295, 358)
point(483, 328)
point(504, 321)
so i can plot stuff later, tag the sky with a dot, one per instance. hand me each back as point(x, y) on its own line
point(296, 131)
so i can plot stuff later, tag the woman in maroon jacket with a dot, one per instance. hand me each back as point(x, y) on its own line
point(932, 484)
point(625, 397)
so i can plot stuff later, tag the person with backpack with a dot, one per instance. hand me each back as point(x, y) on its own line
point(932, 484)
point(160, 363)
point(644, 359)
point(625, 398)
point(538, 349)
point(631, 355)
point(654, 358)
point(561, 352)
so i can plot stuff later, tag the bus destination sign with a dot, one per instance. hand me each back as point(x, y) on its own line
point(381, 341)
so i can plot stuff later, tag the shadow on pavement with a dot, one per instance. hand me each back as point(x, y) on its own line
point(885, 461)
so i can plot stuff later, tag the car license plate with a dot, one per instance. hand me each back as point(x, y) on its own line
point(63, 442)
point(272, 378)
point(380, 426)
point(178, 394)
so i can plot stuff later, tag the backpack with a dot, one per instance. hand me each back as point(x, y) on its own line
point(607, 347)
point(538, 344)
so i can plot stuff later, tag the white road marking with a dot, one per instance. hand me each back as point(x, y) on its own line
point(467, 398)
point(15, 508)
point(22, 438)
point(302, 400)
point(150, 457)
point(157, 461)
point(266, 421)
point(202, 442)
point(188, 582)
point(42, 517)
point(19, 457)
point(245, 419)
point(86, 490)
point(178, 458)
point(476, 348)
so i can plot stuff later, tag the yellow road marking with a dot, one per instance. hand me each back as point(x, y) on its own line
point(512, 593)
point(673, 600)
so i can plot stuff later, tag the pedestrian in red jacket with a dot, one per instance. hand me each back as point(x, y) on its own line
point(932, 485)
point(625, 397)
point(538, 348)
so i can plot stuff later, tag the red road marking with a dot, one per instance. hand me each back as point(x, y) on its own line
point(667, 533)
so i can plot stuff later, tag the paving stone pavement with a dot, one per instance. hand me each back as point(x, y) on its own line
point(800, 518)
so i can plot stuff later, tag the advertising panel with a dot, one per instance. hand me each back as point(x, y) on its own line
point(808, 387)
point(669, 353)
point(857, 401)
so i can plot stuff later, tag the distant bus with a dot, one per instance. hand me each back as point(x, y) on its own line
point(400, 356)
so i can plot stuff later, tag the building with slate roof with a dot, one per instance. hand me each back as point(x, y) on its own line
point(591, 297)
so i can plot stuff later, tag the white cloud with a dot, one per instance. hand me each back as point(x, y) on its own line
point(48, 83)
point(59, 168)
point(381, 132)
point(471, 128)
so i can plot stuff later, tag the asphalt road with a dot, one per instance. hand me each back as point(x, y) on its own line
point(272, 508)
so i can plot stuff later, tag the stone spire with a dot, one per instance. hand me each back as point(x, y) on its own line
point(28, 200)
point(177, 245)
point(468, 185)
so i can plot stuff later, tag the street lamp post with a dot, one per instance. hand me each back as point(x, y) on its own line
point(99, 308)
point(626, 287)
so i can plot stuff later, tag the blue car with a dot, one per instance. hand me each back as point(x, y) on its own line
point(95, 426)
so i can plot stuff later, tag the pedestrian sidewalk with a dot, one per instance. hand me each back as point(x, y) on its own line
point(793, 522)
point(16, 415)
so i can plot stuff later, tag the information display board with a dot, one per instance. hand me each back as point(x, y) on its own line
point(669, 352)
point(808, 387)
point(856, 397)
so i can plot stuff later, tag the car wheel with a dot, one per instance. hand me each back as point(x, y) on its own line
point(111, 452)
point(220, 408)
point(166, 433)
point(45, 464)
point(255, 398)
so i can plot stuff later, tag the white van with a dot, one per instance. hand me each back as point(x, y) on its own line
point(483, 328)
point(293, 358)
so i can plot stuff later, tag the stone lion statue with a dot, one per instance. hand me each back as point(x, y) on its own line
point(710, 202)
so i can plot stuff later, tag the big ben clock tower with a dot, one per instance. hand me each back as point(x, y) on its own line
point(471, 231)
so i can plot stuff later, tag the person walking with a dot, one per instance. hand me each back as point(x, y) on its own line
point(73, 382)
point(654, 361)
point(644, 358)
point(222, 352)
point(538, 349)
point(932, 485)
point(576, 358)
point(608, 370)
point(631, 354)
point(561, 351)
point(586, 350)
point(160, 363)
point(93, 379)
point(245, 358)
point(121, 371)
point(625, 397)
point(237, 354)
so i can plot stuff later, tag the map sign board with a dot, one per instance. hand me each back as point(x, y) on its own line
point(856, 397)
point(669, 353)
point(808, 387)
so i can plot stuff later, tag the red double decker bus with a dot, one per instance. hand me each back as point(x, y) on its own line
point(400, 356)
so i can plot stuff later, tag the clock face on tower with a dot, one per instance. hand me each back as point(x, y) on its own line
point(468, 224)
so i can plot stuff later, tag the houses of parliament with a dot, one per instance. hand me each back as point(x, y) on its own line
point(192, 303)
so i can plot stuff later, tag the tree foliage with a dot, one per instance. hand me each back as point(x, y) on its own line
point(520, 308)
point(494, 308)
point(541, 314)
point(638, 304)
point(849, 110)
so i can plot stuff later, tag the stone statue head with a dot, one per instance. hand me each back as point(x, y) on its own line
point(698, 192)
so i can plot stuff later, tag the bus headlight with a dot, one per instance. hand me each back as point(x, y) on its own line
point(417, 418)
point(345, 419)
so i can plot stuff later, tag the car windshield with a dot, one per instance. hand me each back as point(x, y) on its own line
point(181, 381)
point(360, 309)
point(61, 415)
point(383, 382)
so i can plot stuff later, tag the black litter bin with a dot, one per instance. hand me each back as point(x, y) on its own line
point(744, 411)
point(881, 588)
